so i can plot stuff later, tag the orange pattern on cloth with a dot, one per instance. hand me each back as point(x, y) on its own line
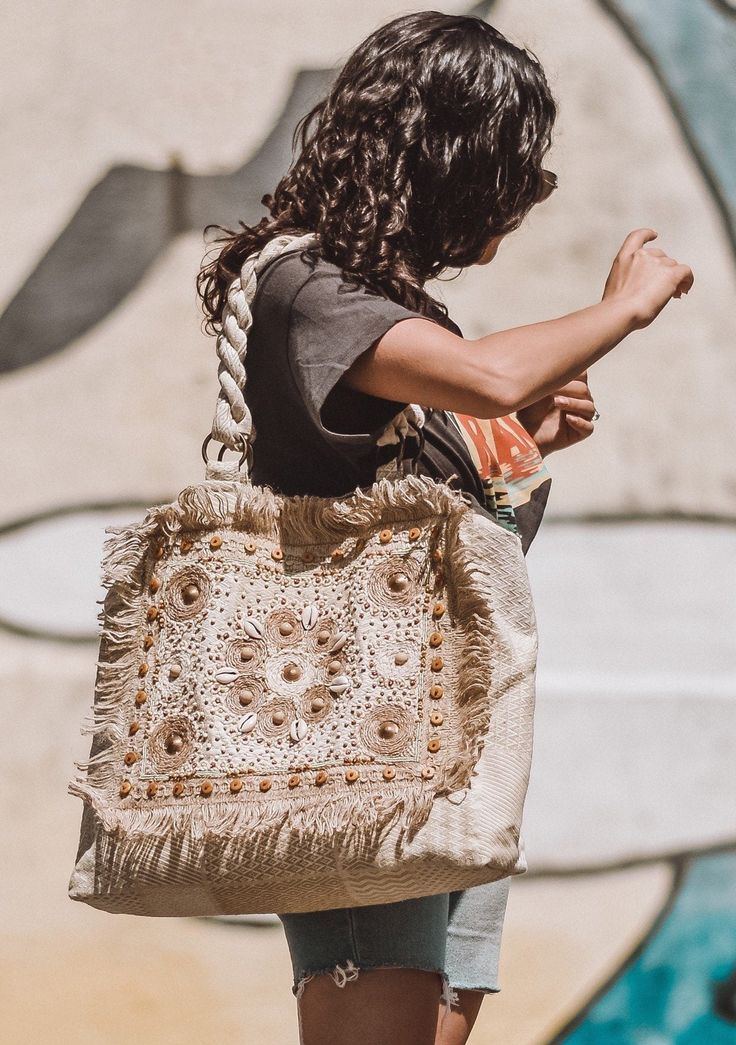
point(508, 461)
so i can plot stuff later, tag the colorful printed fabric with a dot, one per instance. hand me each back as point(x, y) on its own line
point(514, 475)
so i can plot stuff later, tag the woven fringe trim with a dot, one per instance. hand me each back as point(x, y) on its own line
point(359, 817)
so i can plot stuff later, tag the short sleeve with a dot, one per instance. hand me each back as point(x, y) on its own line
point(331, 324)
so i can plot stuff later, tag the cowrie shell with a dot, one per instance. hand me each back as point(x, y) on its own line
point(248, 722)
point(339, 684)
point(226, 676)
point(253, 628)
point(340, 639)
point(310, 615)
point(298, 730)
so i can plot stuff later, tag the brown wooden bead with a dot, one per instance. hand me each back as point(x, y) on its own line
point(236, 784)
point(215, 542)
point(351, 775)
point(388, 730)
point(385, 536)
point(277, 554)
point(154, 584)
point(125, 788)
point(427, 772)
point(152, 613)
point(178, 788)
point(436, 555)
point(294, 780)
point(436, 718)
point(141, 697)
point(437, 664)
point(321, 778)
point(436, 692)
point(414, 533)
point(133, 728)
point(130, 758)
point(434, 744)
point(206, 787)
point(152, 788)
point(265, 784)
point(148, 641)
point(389, 773)
point(250, 547)
point(438, 609)
point(435, 639)
point(186, 545)
point(142, 669)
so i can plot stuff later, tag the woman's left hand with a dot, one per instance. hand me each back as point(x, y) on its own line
point(562, 418)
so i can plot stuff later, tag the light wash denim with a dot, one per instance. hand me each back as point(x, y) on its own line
point(457, 935)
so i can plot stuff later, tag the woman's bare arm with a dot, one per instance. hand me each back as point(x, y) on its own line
point(418, 361)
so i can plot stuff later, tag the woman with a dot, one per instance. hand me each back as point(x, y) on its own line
point(426, 152)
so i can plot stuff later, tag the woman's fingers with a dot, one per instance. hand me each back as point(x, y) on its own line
point(581, 423)
point(582, 407)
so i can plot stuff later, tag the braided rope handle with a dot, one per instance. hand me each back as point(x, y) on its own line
point(232, 424)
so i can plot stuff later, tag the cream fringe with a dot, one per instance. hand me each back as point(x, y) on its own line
point(357, 817)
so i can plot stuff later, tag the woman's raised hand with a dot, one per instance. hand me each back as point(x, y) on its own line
point(646, 277)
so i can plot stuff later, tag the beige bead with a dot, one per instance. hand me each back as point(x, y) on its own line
point(277, 554)
point(385, 536)
point(436, 692)
point(265, 784)
point(414, 533)
point(321, 778)
point(130, 758)
point(236, 784)
point(178, 789)
point(437, 664)
point(438, 609)
point(435, 639)
point(398, 582)
point(125, 787)
point(207, 787)
point(174, 743)
point(434, 744)
point(351, 775)
point(250, 547)
point(388, 730)
point(291, 672)
point(389, 773)
point(401, 658)
point(294, 780)
point(317, 704)
point(278, 718)
point(141, 697)
point(427, 772)
point(286, 627)
point(152, 788)
point(436, 718)
point(216, 541)
point(189, 594)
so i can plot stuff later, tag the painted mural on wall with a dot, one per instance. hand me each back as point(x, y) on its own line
point(107, 383)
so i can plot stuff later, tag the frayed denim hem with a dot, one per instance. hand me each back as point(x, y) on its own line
point(349, 972)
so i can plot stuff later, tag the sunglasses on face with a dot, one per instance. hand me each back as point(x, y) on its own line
point(549, 184)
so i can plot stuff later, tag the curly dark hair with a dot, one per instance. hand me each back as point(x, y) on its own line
point(429, 142)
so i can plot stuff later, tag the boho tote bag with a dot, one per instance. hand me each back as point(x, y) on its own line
point(301, 702)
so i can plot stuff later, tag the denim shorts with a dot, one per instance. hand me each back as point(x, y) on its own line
point(457, 935)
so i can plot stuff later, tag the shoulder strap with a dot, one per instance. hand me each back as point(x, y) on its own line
point(232, 424)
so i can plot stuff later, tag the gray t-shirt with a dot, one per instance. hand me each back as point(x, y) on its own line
point(314, 435)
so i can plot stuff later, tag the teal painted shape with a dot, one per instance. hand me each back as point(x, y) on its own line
point(692, 47)
point(666, 995)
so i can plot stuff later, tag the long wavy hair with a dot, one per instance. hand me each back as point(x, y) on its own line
point(429, 142)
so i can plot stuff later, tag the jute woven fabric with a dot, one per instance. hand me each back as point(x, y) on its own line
point(304, 703)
